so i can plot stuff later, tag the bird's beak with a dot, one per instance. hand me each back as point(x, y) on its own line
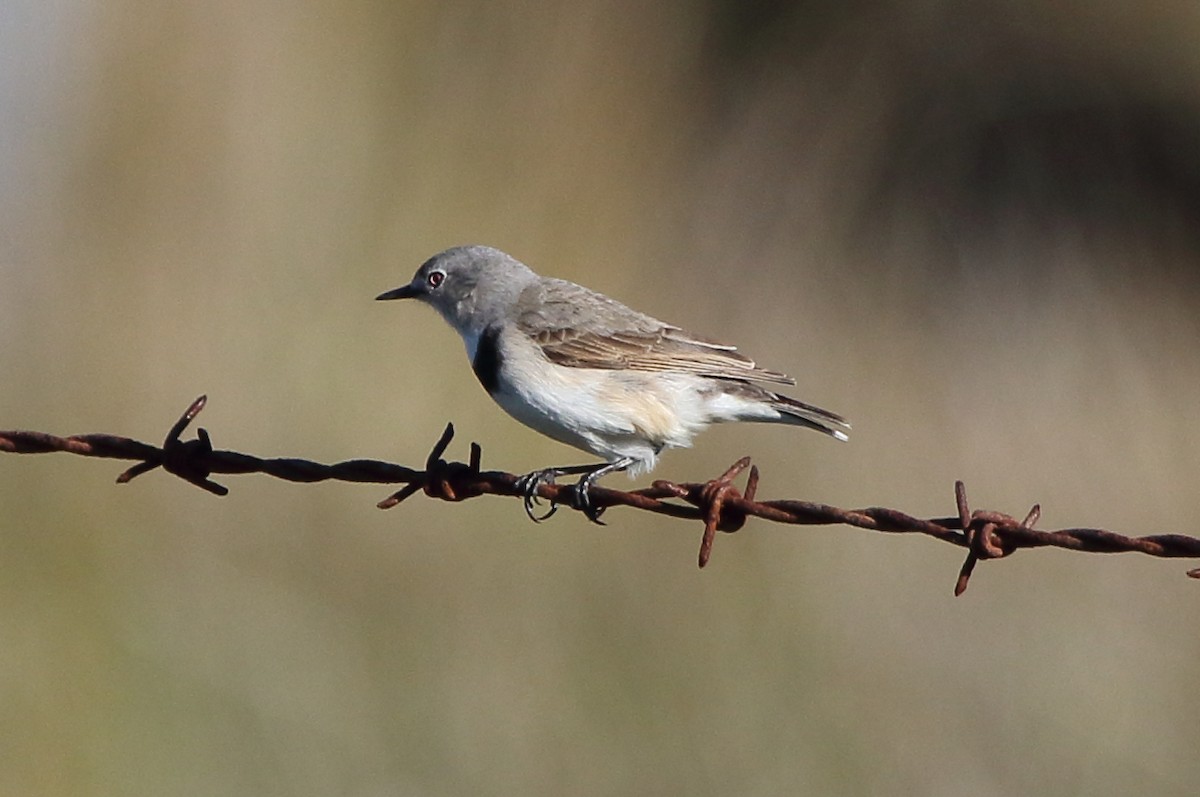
point(403, 292)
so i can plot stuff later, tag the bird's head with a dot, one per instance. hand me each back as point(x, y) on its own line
point(472, 287)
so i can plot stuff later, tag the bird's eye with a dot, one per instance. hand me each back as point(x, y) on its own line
point(436, 278)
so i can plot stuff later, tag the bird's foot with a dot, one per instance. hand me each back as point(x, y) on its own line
point(529, 484)
point(581, 498)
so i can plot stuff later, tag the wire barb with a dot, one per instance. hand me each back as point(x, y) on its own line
point(717, 502)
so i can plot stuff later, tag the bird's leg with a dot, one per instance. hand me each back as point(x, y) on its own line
point(530, 482)
point(582, 499)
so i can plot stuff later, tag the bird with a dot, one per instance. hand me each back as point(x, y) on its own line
point(590, 372)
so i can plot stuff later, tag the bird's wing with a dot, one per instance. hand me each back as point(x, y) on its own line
point(579, 328)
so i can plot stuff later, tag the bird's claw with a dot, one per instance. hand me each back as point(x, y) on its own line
point(581, 499)
point(529, 484)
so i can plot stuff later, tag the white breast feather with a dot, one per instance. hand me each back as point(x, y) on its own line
point(612, 414)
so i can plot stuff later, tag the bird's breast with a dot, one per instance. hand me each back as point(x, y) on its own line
point(609, 412)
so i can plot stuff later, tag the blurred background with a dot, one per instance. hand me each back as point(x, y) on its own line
point(971, 227)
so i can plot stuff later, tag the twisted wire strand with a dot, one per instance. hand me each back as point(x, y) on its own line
point(718, 502)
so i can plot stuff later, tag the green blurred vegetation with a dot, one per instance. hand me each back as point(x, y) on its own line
point(970, 227)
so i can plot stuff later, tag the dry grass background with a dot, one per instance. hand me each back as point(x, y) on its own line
point(970, 227)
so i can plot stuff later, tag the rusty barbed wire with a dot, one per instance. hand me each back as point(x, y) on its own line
point(722, 507)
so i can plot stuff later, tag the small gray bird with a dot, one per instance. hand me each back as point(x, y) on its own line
point(590, 372)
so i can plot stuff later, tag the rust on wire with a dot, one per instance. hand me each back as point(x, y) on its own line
point(717, 502)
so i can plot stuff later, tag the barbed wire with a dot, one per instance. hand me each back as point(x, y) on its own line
point(722, 507)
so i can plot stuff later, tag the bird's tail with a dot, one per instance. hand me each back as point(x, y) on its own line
point(797, 412)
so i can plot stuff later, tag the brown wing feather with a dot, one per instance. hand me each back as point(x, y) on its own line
point(579, 328)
